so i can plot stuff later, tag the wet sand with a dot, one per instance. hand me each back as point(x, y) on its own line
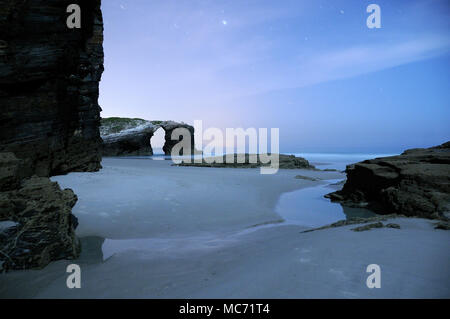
point(150, 230)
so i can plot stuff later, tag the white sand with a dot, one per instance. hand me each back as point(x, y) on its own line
point(153, 248)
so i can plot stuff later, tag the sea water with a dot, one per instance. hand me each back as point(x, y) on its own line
point(337, 161)
point(308, 207)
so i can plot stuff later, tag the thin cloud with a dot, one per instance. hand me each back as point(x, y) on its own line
point(358, 60)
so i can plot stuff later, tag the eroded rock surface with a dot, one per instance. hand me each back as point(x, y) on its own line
point(243, 161)
point(49, 80)
point(358, 220)
point(35, 214)
point(415, 183)
point(125, 137)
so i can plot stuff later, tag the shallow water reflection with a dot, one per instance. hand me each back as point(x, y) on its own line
point(305, 207)
point(308, 207)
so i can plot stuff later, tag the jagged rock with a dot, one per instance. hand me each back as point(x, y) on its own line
point(445, 225)
point(392, 225)
point(415, 183)
point(293, 162)
point(368, 227)
point(49, 77)
point(44, 229)
point(285, 162)
point(124, 136)
point(307, 178)
point(356, 220)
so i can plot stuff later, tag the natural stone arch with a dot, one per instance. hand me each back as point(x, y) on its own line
point(125, 137)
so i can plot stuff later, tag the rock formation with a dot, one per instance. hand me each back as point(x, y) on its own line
point(415, 183)
point(124, 136)
point(40, 226)
point(169, 128)
point(49, 117)
point(285, 162)
point(49, 76)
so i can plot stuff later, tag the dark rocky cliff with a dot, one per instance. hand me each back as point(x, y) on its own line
point(49, 124)
point(415, 183)
point(49, 76)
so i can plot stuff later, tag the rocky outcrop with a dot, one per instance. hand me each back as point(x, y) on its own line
point(49, 119)
point(49, 76)
point(124, 136)
point(243, 161)
point(169, 128)
point(415, 183)
point(307, 178)
point(42, 227)
point(35, 218)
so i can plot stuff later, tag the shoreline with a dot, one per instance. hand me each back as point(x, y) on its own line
point(234, 257)
point(160, 199)
point(271, 262)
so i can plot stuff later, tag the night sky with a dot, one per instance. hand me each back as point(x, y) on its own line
point(311, 68)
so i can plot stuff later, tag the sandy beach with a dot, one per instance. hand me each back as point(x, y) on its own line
point(224, 150)
point(141, 198)
point(152, 230)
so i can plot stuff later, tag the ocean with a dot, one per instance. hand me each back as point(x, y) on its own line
point(337, 160)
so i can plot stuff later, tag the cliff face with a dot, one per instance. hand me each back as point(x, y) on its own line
point(49, 77)
point(415, 183)
point(49, 124)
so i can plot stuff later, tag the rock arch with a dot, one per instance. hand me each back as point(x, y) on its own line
point(128, 137)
